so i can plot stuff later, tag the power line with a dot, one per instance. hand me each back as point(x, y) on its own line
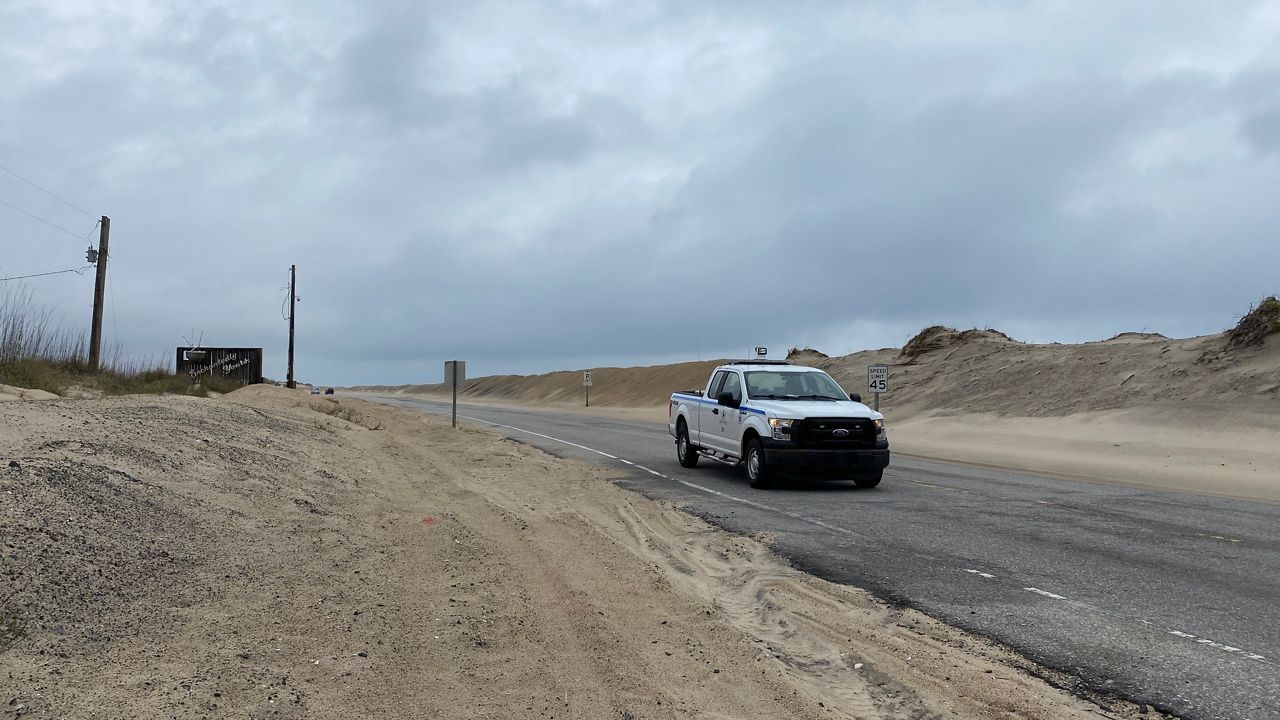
point(75, 235)
point(285, 300)
point(78, 271)
point(86, 213)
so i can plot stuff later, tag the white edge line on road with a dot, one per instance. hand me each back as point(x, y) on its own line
point(761, 506)
point(548, 437)
point(769, 508)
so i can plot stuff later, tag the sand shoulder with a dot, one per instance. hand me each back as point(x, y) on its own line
point(267, 554)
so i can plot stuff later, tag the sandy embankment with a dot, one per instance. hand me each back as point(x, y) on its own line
point(1197, 415)
point(268, 554)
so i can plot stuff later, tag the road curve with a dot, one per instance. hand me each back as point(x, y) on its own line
point(1161, 598)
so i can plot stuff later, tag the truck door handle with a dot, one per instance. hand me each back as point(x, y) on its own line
point(715, 411)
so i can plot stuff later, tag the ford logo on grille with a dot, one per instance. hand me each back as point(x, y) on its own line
point(840, 432)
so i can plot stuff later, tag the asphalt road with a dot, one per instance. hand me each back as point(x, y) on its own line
point(1160, 598)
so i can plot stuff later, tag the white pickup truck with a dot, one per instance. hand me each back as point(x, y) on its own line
point(776, 417)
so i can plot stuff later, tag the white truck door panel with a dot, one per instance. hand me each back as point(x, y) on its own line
point(730, 423)
point(710, 414)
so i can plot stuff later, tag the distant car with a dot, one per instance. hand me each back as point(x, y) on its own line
point(328, 391)
point(315, 391)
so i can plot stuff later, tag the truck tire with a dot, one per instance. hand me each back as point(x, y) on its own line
point(686, 452)
point(758, 472)
point(869, 481)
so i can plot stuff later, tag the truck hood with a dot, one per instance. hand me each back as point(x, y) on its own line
point(799, 409)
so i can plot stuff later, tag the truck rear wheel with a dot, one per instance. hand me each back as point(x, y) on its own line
point(758, 472)
point(869, 481)
point(686, 452)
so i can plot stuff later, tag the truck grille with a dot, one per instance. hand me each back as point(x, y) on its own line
point(822, 433)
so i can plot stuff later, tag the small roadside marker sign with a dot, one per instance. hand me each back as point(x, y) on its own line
point(586, 379)
point(455, 373)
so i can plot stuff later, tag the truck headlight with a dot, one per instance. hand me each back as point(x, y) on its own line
point(879, 426)
point(781, 428)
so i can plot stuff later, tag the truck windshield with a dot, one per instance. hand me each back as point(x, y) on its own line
point(773, 385)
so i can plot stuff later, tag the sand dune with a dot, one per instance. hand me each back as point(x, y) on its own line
point(1197, 414)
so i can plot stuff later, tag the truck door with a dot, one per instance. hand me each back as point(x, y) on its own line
point(709, 415)
point(729, 427)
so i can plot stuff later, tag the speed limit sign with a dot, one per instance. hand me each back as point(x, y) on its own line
point(877, 379)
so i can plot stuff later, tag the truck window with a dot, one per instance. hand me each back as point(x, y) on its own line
point(716, 380)
point(793, 385)
point(732, 385)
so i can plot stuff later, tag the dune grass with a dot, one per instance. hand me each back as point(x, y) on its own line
point(37, 354)
point(1261, 322)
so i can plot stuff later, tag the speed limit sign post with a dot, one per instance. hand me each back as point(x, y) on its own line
point(586, 386)
point(877, 381)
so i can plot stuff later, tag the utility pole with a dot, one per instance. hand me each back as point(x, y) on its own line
point(99, 289)
point(293, 304)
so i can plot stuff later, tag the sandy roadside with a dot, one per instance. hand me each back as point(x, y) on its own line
point(268, 554)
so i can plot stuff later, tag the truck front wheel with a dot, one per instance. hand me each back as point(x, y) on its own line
point(758, 472)
point(686, 452)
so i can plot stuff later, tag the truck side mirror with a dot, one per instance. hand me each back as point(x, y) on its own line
point(855, 397)
point(726, 399)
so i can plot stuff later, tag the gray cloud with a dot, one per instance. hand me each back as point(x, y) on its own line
point(532, 186)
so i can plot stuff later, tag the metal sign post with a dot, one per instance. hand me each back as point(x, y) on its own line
point(877, 382)
point(586, 386)
point(455, 373)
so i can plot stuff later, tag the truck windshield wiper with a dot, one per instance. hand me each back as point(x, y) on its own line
point(815, 397)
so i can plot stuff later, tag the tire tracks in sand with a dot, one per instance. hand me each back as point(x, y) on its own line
point(841, 649)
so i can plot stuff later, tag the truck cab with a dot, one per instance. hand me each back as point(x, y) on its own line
point(779, 419)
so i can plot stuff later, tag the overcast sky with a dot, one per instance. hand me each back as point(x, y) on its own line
point(537, 185)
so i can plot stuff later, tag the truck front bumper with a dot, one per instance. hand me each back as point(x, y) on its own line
point(825, 462)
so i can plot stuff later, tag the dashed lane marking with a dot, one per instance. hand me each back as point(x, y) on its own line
point(1218, 646)
point(979, 573)
point(1045, 593)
